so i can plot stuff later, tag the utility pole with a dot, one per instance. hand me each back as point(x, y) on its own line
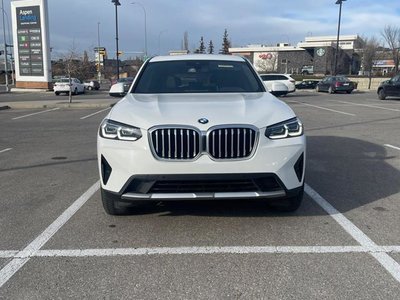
point(338, 33)
point(5, 47)
point(116, 3)
point(98, 53)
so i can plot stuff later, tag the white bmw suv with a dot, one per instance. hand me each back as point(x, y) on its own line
point(199, 127)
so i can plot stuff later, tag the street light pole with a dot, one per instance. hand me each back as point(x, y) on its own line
point(98, 53)
point(145, 27)
point(5, 47)
point(338, 33)
point(116, 3)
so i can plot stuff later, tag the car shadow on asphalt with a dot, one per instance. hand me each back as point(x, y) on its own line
point(349, 173)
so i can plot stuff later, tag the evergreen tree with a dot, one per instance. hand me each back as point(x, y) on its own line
point(226, 43)
point(202, 48)
point(210, 47)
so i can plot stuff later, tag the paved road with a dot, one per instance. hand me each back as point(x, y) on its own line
point(343, 243)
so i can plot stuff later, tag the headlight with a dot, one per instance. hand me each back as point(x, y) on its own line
point(285, 129)
point(117, 131)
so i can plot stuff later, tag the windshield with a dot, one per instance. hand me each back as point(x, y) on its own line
point(197, 76)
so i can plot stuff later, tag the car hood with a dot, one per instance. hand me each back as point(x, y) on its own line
point(146, 111)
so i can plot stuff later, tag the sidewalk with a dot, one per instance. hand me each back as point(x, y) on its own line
point(90, 103)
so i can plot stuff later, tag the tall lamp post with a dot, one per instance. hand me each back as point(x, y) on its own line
point(116, 3)
point(145, 27)
point(98, 53)
point(338, 33)
point(5, 47)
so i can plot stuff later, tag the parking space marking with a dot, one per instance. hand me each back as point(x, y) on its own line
point(368, 105)
point(5, 150)
point(8, 253)
point(391, 146)
point(100, 111)
point(36, 113)
point(383, 258)
point(216, 250)
point(24, 256)
point(328, 109)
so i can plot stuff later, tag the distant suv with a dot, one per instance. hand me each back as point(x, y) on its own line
point(389, 88)
point(307, 70)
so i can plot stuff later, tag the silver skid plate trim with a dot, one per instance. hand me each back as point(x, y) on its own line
point(200, 196)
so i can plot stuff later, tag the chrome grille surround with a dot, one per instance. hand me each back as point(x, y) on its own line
point(187, 143)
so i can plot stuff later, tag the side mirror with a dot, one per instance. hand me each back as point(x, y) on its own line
point(117, 90)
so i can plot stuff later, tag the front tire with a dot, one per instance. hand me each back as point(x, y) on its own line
point(57, 93)
point(289, 204)
point(381, 94)
point(317, 89)
point(110, 204)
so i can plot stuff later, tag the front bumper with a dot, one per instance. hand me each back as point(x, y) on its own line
point(127, 165)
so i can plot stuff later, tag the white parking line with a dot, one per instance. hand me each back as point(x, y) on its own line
point(391, 146)
point(8, 253)
point(100, 111)
point(383, 258)
point(36, 113)
point(324, 108)
point(5, 150)
point(216, 250)
point(368, 105)
point(24, 256)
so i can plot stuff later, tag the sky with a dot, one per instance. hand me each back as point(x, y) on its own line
point(74, 23)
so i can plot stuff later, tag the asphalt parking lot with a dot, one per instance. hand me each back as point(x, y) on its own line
point(343, 242)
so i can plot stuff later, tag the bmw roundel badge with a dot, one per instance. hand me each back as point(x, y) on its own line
point(203, 121)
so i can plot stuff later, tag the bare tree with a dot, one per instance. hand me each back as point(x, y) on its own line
point(72, 63)
point(370, 52)
point(391, 34)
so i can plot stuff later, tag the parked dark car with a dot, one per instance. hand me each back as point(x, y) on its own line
point(307, 84)
point(92, 85)
point(333, 84)
point(389, 88)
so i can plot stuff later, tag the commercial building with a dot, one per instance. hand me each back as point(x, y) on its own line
point(315, 55)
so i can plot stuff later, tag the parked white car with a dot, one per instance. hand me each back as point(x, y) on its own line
point(200, 127)
point(62, 85)
point(282, 78)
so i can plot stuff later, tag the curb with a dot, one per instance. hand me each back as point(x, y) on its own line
point(16, 105)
